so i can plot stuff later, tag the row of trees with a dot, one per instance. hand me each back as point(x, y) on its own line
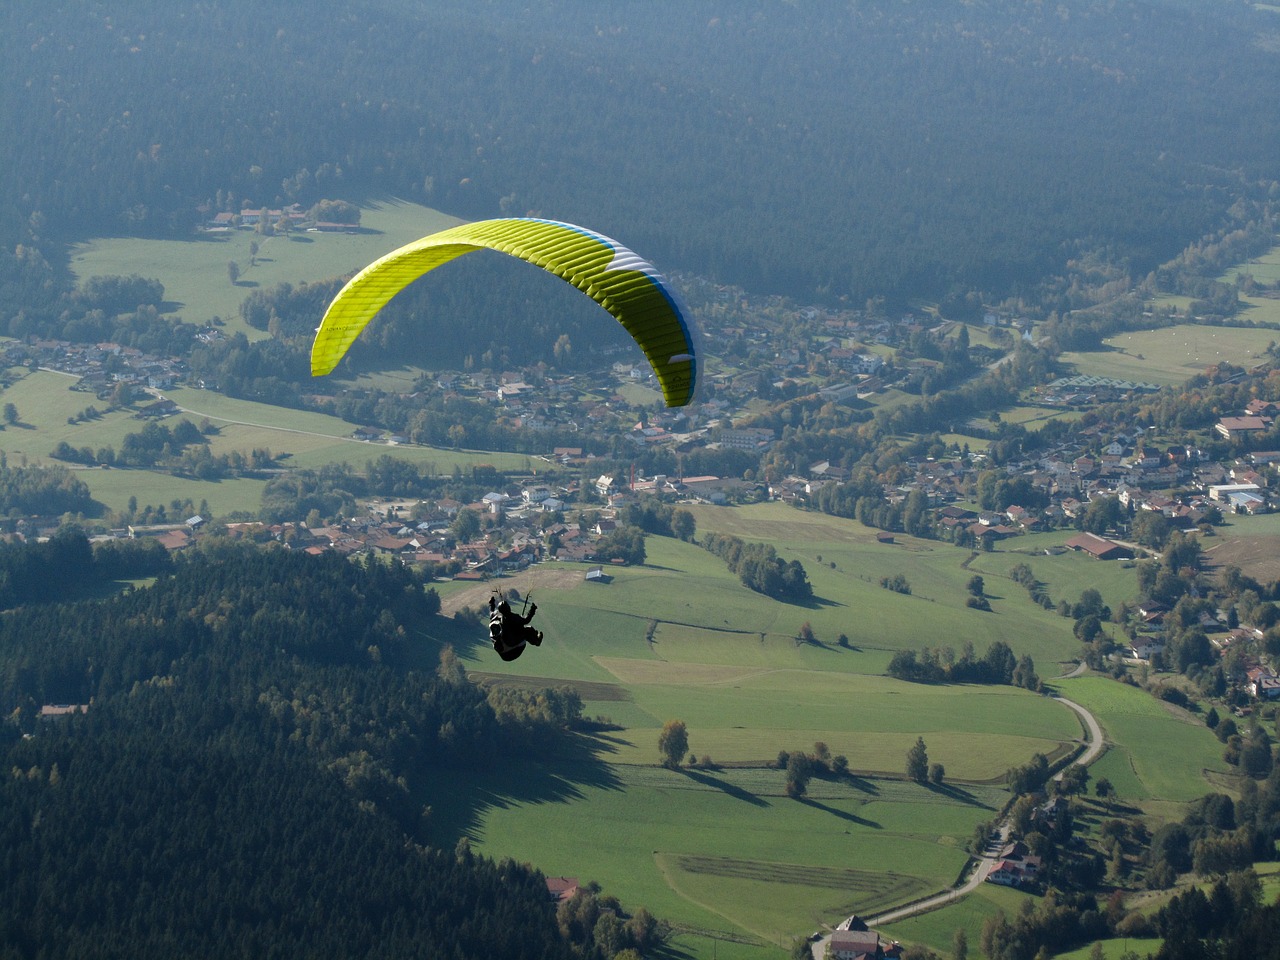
point(760, 568)
point(942, 665)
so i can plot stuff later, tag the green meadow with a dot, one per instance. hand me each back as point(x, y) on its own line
point(724, 848)
point(1173, 355)
point(1158, 755)
point(45, 400)
point(937, 927)
point(195, 276)
point(728, 850)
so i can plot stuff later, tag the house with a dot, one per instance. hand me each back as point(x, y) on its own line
point(1144, 648)
point(1233, 428)
point(1265, 687)
point(52, 711)
point(562, 888)
point(1005, 874)
point(854, 945)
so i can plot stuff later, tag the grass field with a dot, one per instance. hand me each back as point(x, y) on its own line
point(938, 927)
point(194, 273)
point(707, 849)
point(1250, 543)
point(680, 637)
point(1159, 755)
point(1174, 354)
point(45, 400)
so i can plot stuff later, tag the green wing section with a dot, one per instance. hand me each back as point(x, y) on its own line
point(617, 279)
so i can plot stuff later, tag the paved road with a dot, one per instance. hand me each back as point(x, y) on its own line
point(1094, 745)
point(1095, 742)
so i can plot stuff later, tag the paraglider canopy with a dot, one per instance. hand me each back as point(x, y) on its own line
point(626, 285)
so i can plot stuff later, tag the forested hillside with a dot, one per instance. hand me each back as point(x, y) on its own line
point(249, 777)
point(872, 148)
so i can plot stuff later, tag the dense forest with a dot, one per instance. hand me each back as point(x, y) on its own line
point(254, 769)
point(877, 148)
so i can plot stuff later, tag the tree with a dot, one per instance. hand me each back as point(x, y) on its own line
point(937, 773)
point(960, 945)
point(466, 525)
point(799, 772)
point(683, 524)
point(233, 272)
point(976, 585)
point(10, 414)
point(673, 743)
point(918, 762)
point(1104, 790)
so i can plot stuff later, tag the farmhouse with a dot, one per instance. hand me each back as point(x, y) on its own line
point(1099, 547)
point(562, 888)
point(1233, 428)
point(854, 944)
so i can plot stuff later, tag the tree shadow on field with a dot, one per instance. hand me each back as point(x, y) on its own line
point(842, 814)
point(738, 793)
point(860, 783)
point(461, 800)
point(815, 603)
point(952, 792)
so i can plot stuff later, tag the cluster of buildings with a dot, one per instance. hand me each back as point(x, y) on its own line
point(101, 367)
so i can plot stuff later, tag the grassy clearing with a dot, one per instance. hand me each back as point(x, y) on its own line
point(194, 273)
point(1174, 354)
point(681, 638)
point(851, 601)
point(936, 928)
point(1034, 417)
point(1115, 948)
point(698, 847)
point(1250, 543)
point(1172, 754)
point(45, 400)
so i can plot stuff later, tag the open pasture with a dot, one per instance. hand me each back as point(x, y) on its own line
point(1172, 355)
point(937, 928)
point(1034, 417)
point(1173, 756)
point(46, 401)
point(698, 847)
point(845, 563)
point(1264, 269)
point(681, 638)
point(195, 275)
point(976, 732)
point(1065, 575)
point(1250, 543)
point(313, 439)
point(1115, 948)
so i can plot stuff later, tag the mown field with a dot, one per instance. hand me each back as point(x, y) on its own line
point(195, 276)
point(45, 400)
point(680, 638)
point(1173, 354)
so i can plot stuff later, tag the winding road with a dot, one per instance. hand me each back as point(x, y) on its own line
point(1094, 745)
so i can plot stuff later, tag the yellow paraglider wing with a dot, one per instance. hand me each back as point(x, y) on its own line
point(621, 282)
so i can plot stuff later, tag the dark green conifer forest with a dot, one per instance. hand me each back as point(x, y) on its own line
point(858, 149)
point(250, 777)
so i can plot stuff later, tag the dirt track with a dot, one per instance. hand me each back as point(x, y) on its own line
point(538, 577)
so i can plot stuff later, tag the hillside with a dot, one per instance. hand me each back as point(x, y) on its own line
point(879, 149)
